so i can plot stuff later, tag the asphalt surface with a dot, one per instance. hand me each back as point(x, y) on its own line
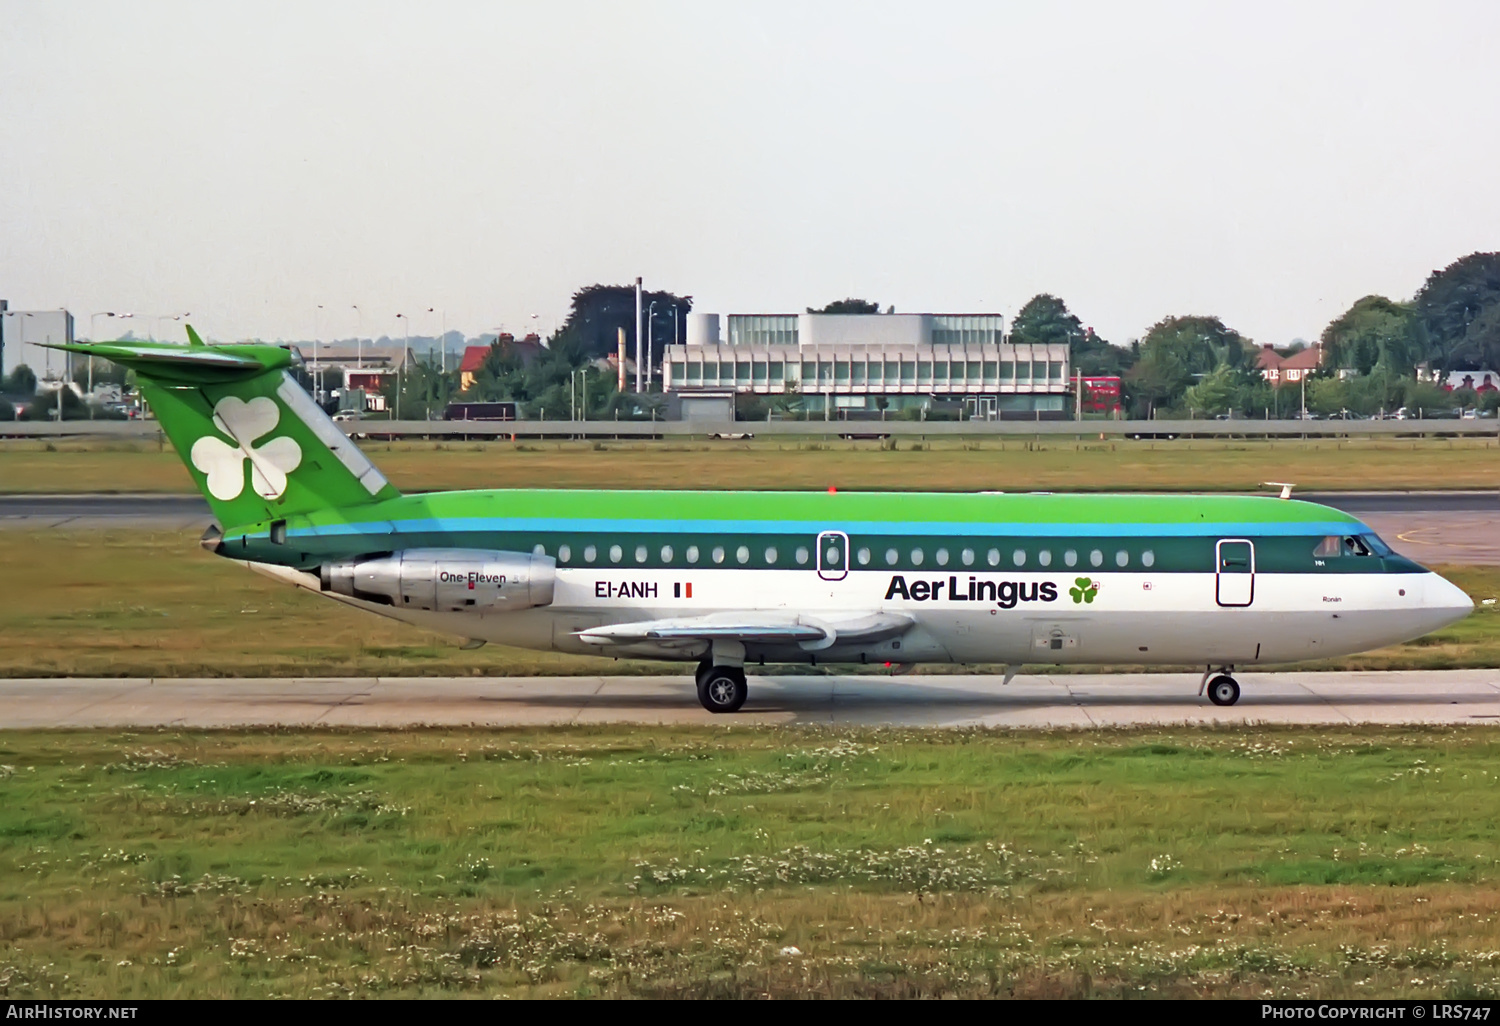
point(1078, 701)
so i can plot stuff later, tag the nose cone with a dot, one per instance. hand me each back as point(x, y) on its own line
point(1445, 602)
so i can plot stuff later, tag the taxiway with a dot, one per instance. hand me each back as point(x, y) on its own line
point(1030, 701)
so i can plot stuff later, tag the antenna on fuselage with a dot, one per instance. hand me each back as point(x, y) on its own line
point(1286, 487)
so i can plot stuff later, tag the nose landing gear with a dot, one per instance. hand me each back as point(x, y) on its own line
point(1221, 687)
point(721, 689)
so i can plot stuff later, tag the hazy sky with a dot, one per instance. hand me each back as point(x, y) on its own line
point(1265, 162)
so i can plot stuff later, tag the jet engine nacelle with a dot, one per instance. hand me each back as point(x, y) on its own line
point(446, 580)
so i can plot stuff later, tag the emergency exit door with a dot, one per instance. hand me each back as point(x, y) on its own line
point(833, 555)
point(1235, 572)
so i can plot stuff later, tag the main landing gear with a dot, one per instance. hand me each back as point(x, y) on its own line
point(721, 689)
point(1221, 687)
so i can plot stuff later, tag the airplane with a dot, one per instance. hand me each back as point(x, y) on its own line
point(731, 579)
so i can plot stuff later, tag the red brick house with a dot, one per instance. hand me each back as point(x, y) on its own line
point(1287, 370)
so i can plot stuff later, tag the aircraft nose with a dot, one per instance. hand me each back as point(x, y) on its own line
point(1446, 601)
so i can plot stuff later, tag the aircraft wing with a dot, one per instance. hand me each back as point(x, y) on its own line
point(812, 633)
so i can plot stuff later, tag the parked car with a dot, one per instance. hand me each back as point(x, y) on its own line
point(350, 416)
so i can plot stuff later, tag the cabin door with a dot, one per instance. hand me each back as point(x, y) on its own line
point(833, 555)
point(1235, 572)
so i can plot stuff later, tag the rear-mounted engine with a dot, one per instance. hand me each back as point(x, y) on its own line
point(446, 580)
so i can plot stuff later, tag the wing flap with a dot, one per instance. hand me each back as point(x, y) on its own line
point(811, 632)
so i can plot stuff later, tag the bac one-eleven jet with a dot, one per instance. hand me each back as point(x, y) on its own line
point(729, 579)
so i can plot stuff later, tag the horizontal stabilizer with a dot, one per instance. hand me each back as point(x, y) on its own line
point(192, 363)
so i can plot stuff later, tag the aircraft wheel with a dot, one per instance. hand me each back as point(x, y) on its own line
point(1223, 690)
point(723, 689)
point(701, 673)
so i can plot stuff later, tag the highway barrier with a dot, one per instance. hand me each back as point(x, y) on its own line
point(607, 429)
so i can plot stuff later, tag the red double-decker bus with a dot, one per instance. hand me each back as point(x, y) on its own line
point(1100, 394)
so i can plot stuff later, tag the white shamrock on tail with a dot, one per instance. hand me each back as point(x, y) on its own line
point(224, 464)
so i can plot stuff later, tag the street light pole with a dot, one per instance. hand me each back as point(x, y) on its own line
point(637, 334)
point(405, 348)
point(359, 338)
point(442, 339)
point(650, 339)
point(317, 356)
point(170, 317)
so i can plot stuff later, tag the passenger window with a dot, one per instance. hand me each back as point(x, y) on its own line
point(1330, 546)
point(1019, 557)
point(640, 553)
point(718, 554)
point(917, 557)
point(891, 555)
point(801, 555)
point(1148, 558)
point(771, 554)
point(863, 556)
point(539, 550)
point(589, 554)
point(992, 557)
point(666, 553)
point(1096, 558)
point(615, 552)
point(1122, 558)
point(967, 556)
point(564, 553)
point(1044, 557)
point(742, 554)
point(692, 553)
point(1070, 558)
point(942, 557)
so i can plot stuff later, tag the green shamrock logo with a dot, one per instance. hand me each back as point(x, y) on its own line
point(1083, 590)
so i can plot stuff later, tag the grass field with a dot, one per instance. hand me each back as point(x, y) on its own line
point(957, 465)
point(746, 862)
point(138, 603)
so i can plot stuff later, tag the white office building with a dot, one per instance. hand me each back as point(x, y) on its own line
point(871, 362)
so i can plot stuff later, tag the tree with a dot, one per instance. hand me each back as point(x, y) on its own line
point(105, 372)
point(424, 390)
point(46, 406)
point(1176, 351)
point(7, 411)
point(600, 311)
point(1045, 319)
point(1426, 397)
point(1374, 332)
point(1458, 313)
point(1327, 397)
point(1215, 394)
point(849, 306)
point(22, 381)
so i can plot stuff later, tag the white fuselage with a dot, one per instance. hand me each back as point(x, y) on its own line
point(1133, 617)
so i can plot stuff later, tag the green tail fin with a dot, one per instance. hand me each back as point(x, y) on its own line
point(253, 439)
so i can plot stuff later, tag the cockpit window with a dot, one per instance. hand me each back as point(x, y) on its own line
point(1353, 546)
point(1331, 545)
point(1377, 546)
